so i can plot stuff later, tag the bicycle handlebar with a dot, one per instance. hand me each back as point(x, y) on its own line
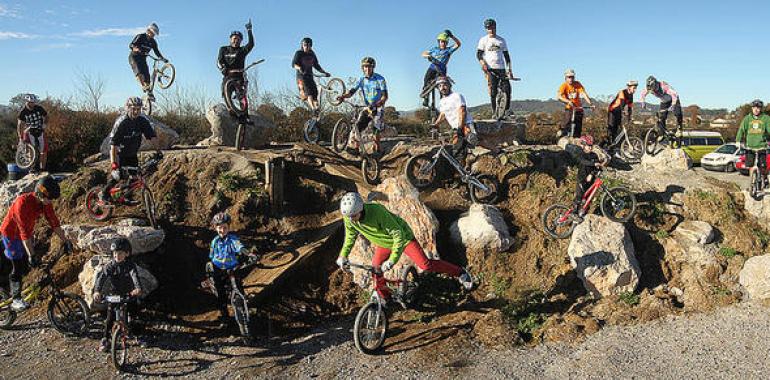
point(368, 268)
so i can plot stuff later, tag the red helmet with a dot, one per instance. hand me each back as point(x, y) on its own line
point(587, 140)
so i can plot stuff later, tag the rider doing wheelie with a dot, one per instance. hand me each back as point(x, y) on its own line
point(232, 58)
point(140, 46)
point(304, 62)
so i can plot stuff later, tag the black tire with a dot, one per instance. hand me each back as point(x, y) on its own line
point(239, 132)
point(415, 174)
point(370, 170)
point(340, 135)
point(27, 156)
point(500, 102)
point(753, 185)
point(146, 105)
point(651, 141)
point(166, 76)
point(68, 314)
point(409, 285)
point(119, 348)
point(311, 132)
point(369, 328)
point(241, 311)
point(485, 197)
point(93, 209)
point(633, 148)
point(553, 226)
point(7, 315)
point(149, 207)
point(234, 100)
point(621, 206)
point(729, 168)
point(334, 88)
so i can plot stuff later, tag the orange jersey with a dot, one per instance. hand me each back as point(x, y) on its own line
point(622, 99)
point(572, 92)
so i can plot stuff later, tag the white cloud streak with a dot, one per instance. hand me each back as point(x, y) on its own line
point(8, 12)
point(16, 36)
point(122, 32)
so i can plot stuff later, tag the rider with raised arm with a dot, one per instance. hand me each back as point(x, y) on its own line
point(140, 47)
point(669, 101)
point(453, 110)
point(34, 117)
point(589, 164)
point(375, 94)
point(232, 58)
point(18, 232)
point(753, 134)
point(304, 62)
point(570, 93)
point(492, 53)
point(439, 58)
point(623, 101)
point(125, 141)
point(391, 236)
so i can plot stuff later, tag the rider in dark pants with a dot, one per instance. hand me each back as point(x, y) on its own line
point(492, 53)
point(589, 163)
point(624, 100)
point(233, 57)
point(140, 46)
point(669, 101)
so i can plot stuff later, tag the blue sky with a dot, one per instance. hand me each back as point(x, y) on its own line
point(703, 48)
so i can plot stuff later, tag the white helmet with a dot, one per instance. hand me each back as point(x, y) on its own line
point(30, 98)
point(351, 204)
point(569, 73)
point(153, 28)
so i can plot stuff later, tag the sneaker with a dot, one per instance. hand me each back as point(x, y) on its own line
point(316, 112)
point(104, 345)
point(19, 304)
point(466, 280)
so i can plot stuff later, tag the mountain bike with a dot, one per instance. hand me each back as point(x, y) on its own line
point(371, 323)
point(235, 90)
point(164, 75)
point(431, 93)
point(67, 312)
point(365, 142)
point(235, 294)
point(122, 193)
point(757, 176)
point(632, 148)
point(27, 152)
point(331, 89)
point(658, 137)
point(617, 203)
point(501, 99)
point(121, 341)
point(421, 173)
point(571, 132)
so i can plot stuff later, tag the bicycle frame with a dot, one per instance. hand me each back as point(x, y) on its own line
point(135, 182)
point(588, 198)
point(32, 292)
point(393, 284)
point(465, 177)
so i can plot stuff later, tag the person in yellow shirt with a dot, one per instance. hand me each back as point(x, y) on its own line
point(570, 93)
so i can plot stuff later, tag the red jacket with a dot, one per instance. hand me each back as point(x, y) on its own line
point(20, 221)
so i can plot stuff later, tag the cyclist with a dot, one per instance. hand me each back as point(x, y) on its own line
point(304, 62)
point(18, 232)
point(570, 93)
point(492, 53)
point(391, 236)
point(453, 110)
point(375, 93)
point(224, 252)
point(140, 46)
point(34, 117)
point(589, 164)
point(669, 102)
point(755, 132)
point(125, 141)
point(232, 58)
point(624, 101)
point(439, 58)
point(123, 277)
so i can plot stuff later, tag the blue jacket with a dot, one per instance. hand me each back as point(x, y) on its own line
point(224, 251)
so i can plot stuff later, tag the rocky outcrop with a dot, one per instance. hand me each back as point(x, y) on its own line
point(494, 134)
point(667, 160)
point(94, 266)
point(760, 209)
point(224, 127)
point(166, 138)
point(482, 228)
point(755, 277)
point(602, 254)
point(9, 190)
point(99, 239)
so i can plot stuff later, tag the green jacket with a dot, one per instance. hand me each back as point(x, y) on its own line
point(755, 129)
point(381, 227)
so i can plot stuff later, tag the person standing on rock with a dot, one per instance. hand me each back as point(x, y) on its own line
point(753, 135)
point(34, 117)
point(391, 236)
point(439, 58)
point(492, 54)
point(304, 62)
point(669, 102)
point(232, 58)
point(18, 230)
point(375, 94)
point(589, 165)
point(140, 47)
point(624, 101)
point(570, 93)
point(453, 110)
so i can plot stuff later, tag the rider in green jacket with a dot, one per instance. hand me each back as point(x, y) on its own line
point(755, 130)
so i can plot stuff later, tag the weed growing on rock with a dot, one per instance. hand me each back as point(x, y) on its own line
point(661, 234)
point(630, 298)
point(524, 315)
point(728, 252)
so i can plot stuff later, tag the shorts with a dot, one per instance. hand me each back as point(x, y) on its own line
point(307, 87)
point(752, 155)
point(14, 249)
point(36, 137)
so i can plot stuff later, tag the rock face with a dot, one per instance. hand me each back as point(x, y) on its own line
point(99, 239)
point(482, 228)
point(667, 160)
point(759, 208)
point(602, 254)
point(755, 277)
point(223, 129)
point(166, 138)
point(9, 190)
point(94, 266)
point(493, 134)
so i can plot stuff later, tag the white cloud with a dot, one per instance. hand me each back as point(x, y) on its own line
point(16, 36)
point(65, 45)
point(5, 11)
point(110, 32)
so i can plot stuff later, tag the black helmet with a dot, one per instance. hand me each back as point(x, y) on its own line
point(220, 218)
point(121, 244)
point(307, 40)
point(757, 103)
point(490, 22)
point(48, 188)
point(236, 33)
point(652, 83)
point(368, 61)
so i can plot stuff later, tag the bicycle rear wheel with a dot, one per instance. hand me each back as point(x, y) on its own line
point(68, 314)
point(241, 311)
point(485, 196)
point(239, 134)
point(633, 148)
point(166, 76)
point(96, 211)
point(334, 88)
point(618, 204)
point(651, 144)
point(7, 315)
point(417, 171)
point(26, 156)
point(557, 223)
point(119, 347)
point(370, 169)
point(501, 100)
point(369, 328)
point(754, 184)
point(149, 207)
point(340, 135)
point(234, 98)
point(311, 132)
point(409, 285)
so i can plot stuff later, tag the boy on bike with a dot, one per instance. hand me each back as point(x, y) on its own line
point(232, 58)
point(754, 131)
point(589, 164)
point(669, 101)
point(391, 236)
point(34, 117)
point(570, 93)
point(439, 58)
point(492, 53)
point(375, 91)
point(18, 233)
point(624, 101)
point(140, 47)
point(304, 62)
point(123, 277)
point(125, 141)
point(453, 110)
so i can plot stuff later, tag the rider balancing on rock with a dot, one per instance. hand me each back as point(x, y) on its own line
point(492, 53)
point(375, 93)
point(125, 141)
point(589, 164)
point(232, 59)
point(453, 110)
point(391, 236)
point(623, 101)
point(304, 62)
point(669, 101)
point(570, 93)
point(34, 117)
point(140, 47)
point(439, 58)
point(753, 134)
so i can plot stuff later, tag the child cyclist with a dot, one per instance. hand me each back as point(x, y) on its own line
point(590, 161)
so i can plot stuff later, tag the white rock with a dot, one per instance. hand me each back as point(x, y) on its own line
point(760, 209)
point(697, 231)
point(99, 239)
point(482, 228)
point(9, 190)
point(667, 160)
point(755, 277)
point(94, 266)
point(224, 127)
point(166, 138)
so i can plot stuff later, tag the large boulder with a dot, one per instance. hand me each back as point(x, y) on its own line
point(760, 209)
point(224, 127)
point(667, 160)
point(602, 254)
point(166, 138)
point(482, 228)
point(494, 134)
point(755, 277)
point(9, 190)
point(95, 265)
point(98, 239)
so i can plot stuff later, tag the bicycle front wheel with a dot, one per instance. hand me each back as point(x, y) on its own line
point(557, 223)
point(149, 207)
point(7, 315)
point(340, 135)
point(632, 148)
point(26, 156)
point(488, 193)
point(651, 141)
point(754, 184)
point(68, 314)
point(234, 98)
point(119, 347)
point(334, 89)
point(94, 209)
point(241, 311)
point(370, 169)
point(311, 132)
point(420, 172)
point(166, 76)
point(618, 204)
point(369, 328)
point(501, 100)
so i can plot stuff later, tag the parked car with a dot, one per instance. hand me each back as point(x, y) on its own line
point(741, 164)
point(700, 143)
point(723, 159)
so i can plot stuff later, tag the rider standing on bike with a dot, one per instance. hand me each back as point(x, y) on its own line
point(492, 53)
point(624, 101)
point(140, 47)
point(669, 101)
point(232, 58)
point(452, 108)
point(18, 233)
point(304, 62)
point(391, 236)
point(34, 117)
point(375, 91)
point(439, 58)
point(755, 132)
point(123, 277)
point(589, 164)
point(570, 93)
point(125, 141)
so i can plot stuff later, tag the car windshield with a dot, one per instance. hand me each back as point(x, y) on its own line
point(727, 149)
